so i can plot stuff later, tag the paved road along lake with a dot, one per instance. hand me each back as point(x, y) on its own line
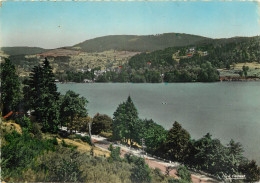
point(228, 110)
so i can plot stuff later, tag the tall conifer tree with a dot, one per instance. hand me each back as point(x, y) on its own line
point(10, 88)
point(44, 96)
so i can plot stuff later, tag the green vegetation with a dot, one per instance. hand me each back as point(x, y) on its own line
point(115, 153)
point(27, 156)
point(206, 154)
point(177, 143)
point(43, 96)
point(178, 64)
point(125, 122)
point(20, 152)
point(10, 88)
point(101, 122)
point(35, 155)
point(152, 134)
point(138, 43)
point(77, 77)
point(72, 106)
point(184, 174)
point(22, 50)
point(167, 57)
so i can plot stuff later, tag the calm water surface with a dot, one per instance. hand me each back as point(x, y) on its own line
point(228, 110)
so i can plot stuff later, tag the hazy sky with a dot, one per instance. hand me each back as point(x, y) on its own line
point(55, 24)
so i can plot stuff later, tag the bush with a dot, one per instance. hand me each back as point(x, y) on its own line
point(20, 152)
point(86, 139)
point(36, 130)
point(61, 166)
point(54, 141)
point(24, 122)
point(251, 170)
point(115, 153)
point(101, 122)
point(64, 144)
point(141, 172)
point(184, 173)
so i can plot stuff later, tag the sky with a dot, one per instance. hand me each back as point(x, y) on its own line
point(56, 24)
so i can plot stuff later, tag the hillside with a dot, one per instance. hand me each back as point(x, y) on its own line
point(220, 52)
point(22, 50)
point(164, 51)
point(138, 43)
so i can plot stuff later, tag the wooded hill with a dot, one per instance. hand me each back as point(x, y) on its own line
point(220, 53)
point(139, 43)
point(166, 53)
point(22, 50)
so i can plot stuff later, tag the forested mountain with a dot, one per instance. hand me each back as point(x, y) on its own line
point(170, 57)
point(220, 53)
point(139, 43)
point(22, 50)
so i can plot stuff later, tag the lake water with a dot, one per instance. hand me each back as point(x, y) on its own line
point(228, 110)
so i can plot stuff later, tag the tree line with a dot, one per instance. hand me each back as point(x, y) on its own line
point(30, 156)
point(51, 109)
point(206, 154)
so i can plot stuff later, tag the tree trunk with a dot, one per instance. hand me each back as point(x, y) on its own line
point(71, 120)
point(89, 132)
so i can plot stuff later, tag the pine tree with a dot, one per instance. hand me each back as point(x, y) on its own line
point(44, 96)
point(131, 119)
point(125, 121)
point(177, 142)
point(119, 126)
point(10, 88)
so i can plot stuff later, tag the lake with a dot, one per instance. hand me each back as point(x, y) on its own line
point(228, 110)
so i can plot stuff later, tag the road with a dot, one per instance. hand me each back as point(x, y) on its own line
point(153, 162)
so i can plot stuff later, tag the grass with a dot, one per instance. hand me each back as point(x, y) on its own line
point(84, 147)
point(253, 65)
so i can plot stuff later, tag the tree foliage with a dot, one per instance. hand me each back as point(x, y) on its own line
point(125, 121)
point(44, 97)
point(177, 141)
point(20, 152)
point(153, 134)
point(72, 106)
point(251, 171)
point(184, 174)
point(10, 88)
point(101, 122)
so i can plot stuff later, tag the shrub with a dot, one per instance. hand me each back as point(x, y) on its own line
point(54, 141)
point(24, 122)
point(184, 173)
point(115, 153)
point(61, 166)
point(101, 122)
point(141, 172)
point(64, 144)
point(251, 170)
point(86, 139)
point(20, 152)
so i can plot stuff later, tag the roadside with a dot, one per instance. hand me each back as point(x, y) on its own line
point(153, 162)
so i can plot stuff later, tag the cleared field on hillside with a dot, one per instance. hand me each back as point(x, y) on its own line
point(105, 59)
point(253, 65)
